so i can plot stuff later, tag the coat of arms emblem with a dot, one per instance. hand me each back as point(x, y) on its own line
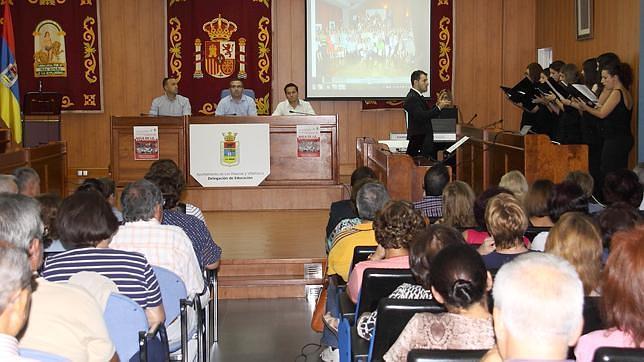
point(219, 50)
point(229, 149)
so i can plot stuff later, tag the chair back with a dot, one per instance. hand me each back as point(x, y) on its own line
point(614, 354)
point(533, 231)
point(361, 253)
point(378, 283)
point(124, 319)
point(40, 355)
point(434, 355)
point(393, 315)
point(248, 92)
point(172, 291)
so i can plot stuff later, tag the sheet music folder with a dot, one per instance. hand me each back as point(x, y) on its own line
point(523, 92)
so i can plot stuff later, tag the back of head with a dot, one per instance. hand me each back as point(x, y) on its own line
point(139, 200)
point(571, 73)
point(557, 65)
point(536, 200)
point(92, 184)
point(534, 72)
point(25, 176)
point(424, 247)
point(506, 221)
point(85, 219)
point(584, 180)
point(167, 176)
point(109, 185)
point(458, 200)
point(538, 300)
point(616, 217)
point(567, 196)
point(622, 284)
point(624, 186)
point(370, 198)
point(576, 238)
point(605, 59)
point(515, 182)
point(15, 274)
point(480, 203)
point(435, 180)
point(362, 173)
point(20, 221)
point(396, 223)
point(8, 184)
point(459, 275)
point(49, 205)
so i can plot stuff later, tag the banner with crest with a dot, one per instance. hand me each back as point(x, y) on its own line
point(58, 47)
point(211, 43)
point(441, 55)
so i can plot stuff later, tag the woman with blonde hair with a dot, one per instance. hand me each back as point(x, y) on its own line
point(576, 238)
point(458, 205)
point(515, 182)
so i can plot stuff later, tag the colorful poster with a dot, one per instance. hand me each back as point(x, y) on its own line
point(146, 143)
point(211, 43)
point(308, 140)
point(60, 50)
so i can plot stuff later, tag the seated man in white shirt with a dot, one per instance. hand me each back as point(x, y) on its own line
point(293, 105)
point(237, 103)
point(171, 103)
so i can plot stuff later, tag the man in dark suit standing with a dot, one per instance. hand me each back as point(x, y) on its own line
point(419, 129)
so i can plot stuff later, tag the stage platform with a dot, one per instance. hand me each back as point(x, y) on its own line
point(269, 254)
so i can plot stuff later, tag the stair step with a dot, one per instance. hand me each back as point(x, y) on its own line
point(266, 280)
point(254, 267)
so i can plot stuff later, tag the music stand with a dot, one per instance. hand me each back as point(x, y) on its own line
point(41, 118)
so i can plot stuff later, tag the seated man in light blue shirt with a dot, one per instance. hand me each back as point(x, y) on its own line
point(237, 103)
point(171, 103)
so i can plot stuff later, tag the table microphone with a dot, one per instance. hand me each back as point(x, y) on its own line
point(493, 124)
point(302, 113)
point(469, 123)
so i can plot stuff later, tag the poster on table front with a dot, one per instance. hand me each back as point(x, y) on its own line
point(146, 143)
point(308, 140)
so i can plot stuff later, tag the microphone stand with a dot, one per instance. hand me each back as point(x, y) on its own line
point(302, 113)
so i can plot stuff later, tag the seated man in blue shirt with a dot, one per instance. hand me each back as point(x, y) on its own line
point(237, 103)
point(171, 103)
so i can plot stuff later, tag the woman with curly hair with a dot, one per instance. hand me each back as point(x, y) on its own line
point(395, 226)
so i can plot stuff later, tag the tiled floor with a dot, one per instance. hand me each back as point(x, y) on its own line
point(265, 330)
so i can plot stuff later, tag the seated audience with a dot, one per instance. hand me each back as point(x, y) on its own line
point(538, 303)
point(436, 178)
point(395, 225)
point(478, 235)
point(458, 201)
point(506, 221)
point(536, 208)
point(371, 197)
point(587, 184)
point(516, 183)
point(459, 281)
point(109, 185)
point(49, 206)
point(8, 184)
point(208, 253)
point(345, 209)
point(622, 299)
point(64, 320)
point(15, 292)
point(422, 249)
point(168, 168)
point(576, 239)
point(623, 186)
point(86, 225)
point(617, 217)
point(351, 222)
point(92, 184)
point(28, 181)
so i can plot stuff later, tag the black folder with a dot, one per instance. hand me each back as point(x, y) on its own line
point(574, 92)
point(523, 92)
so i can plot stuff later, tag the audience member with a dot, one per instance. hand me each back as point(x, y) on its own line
point(8, 184)
point(208, 253)
point(168, 168)
point(587, 184)
point(85, 225)
point(28, 181)
point(395, 226)
point(506, 221)
point(639, 171)
point(49, 206)
point(436, 178)
point(346, 209)
point(64, 320)
point(15, 292)
point(576, 239)
point(351, 222)
point(458, 201)
point(623, 186)
point(459, 281)
point(538, 302)
point(617, 217)
point(566, 196)
point(109, 185)
point(422, 249)
point(516, 183)
point(622, 299)
point(478, 235)
point(536, 208)
point(93, 184)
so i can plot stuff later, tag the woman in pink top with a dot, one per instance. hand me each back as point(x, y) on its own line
point(622, 300)
point(395, 225)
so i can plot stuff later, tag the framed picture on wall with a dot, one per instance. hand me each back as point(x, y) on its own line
point(584, 12)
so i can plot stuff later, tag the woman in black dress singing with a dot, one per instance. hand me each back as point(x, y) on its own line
point(615, 117)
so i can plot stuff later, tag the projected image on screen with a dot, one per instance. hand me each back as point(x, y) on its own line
point(365, 48)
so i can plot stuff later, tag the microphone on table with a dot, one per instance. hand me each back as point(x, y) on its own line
point(469, 123)
point(493, 124)
point(302, 113)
